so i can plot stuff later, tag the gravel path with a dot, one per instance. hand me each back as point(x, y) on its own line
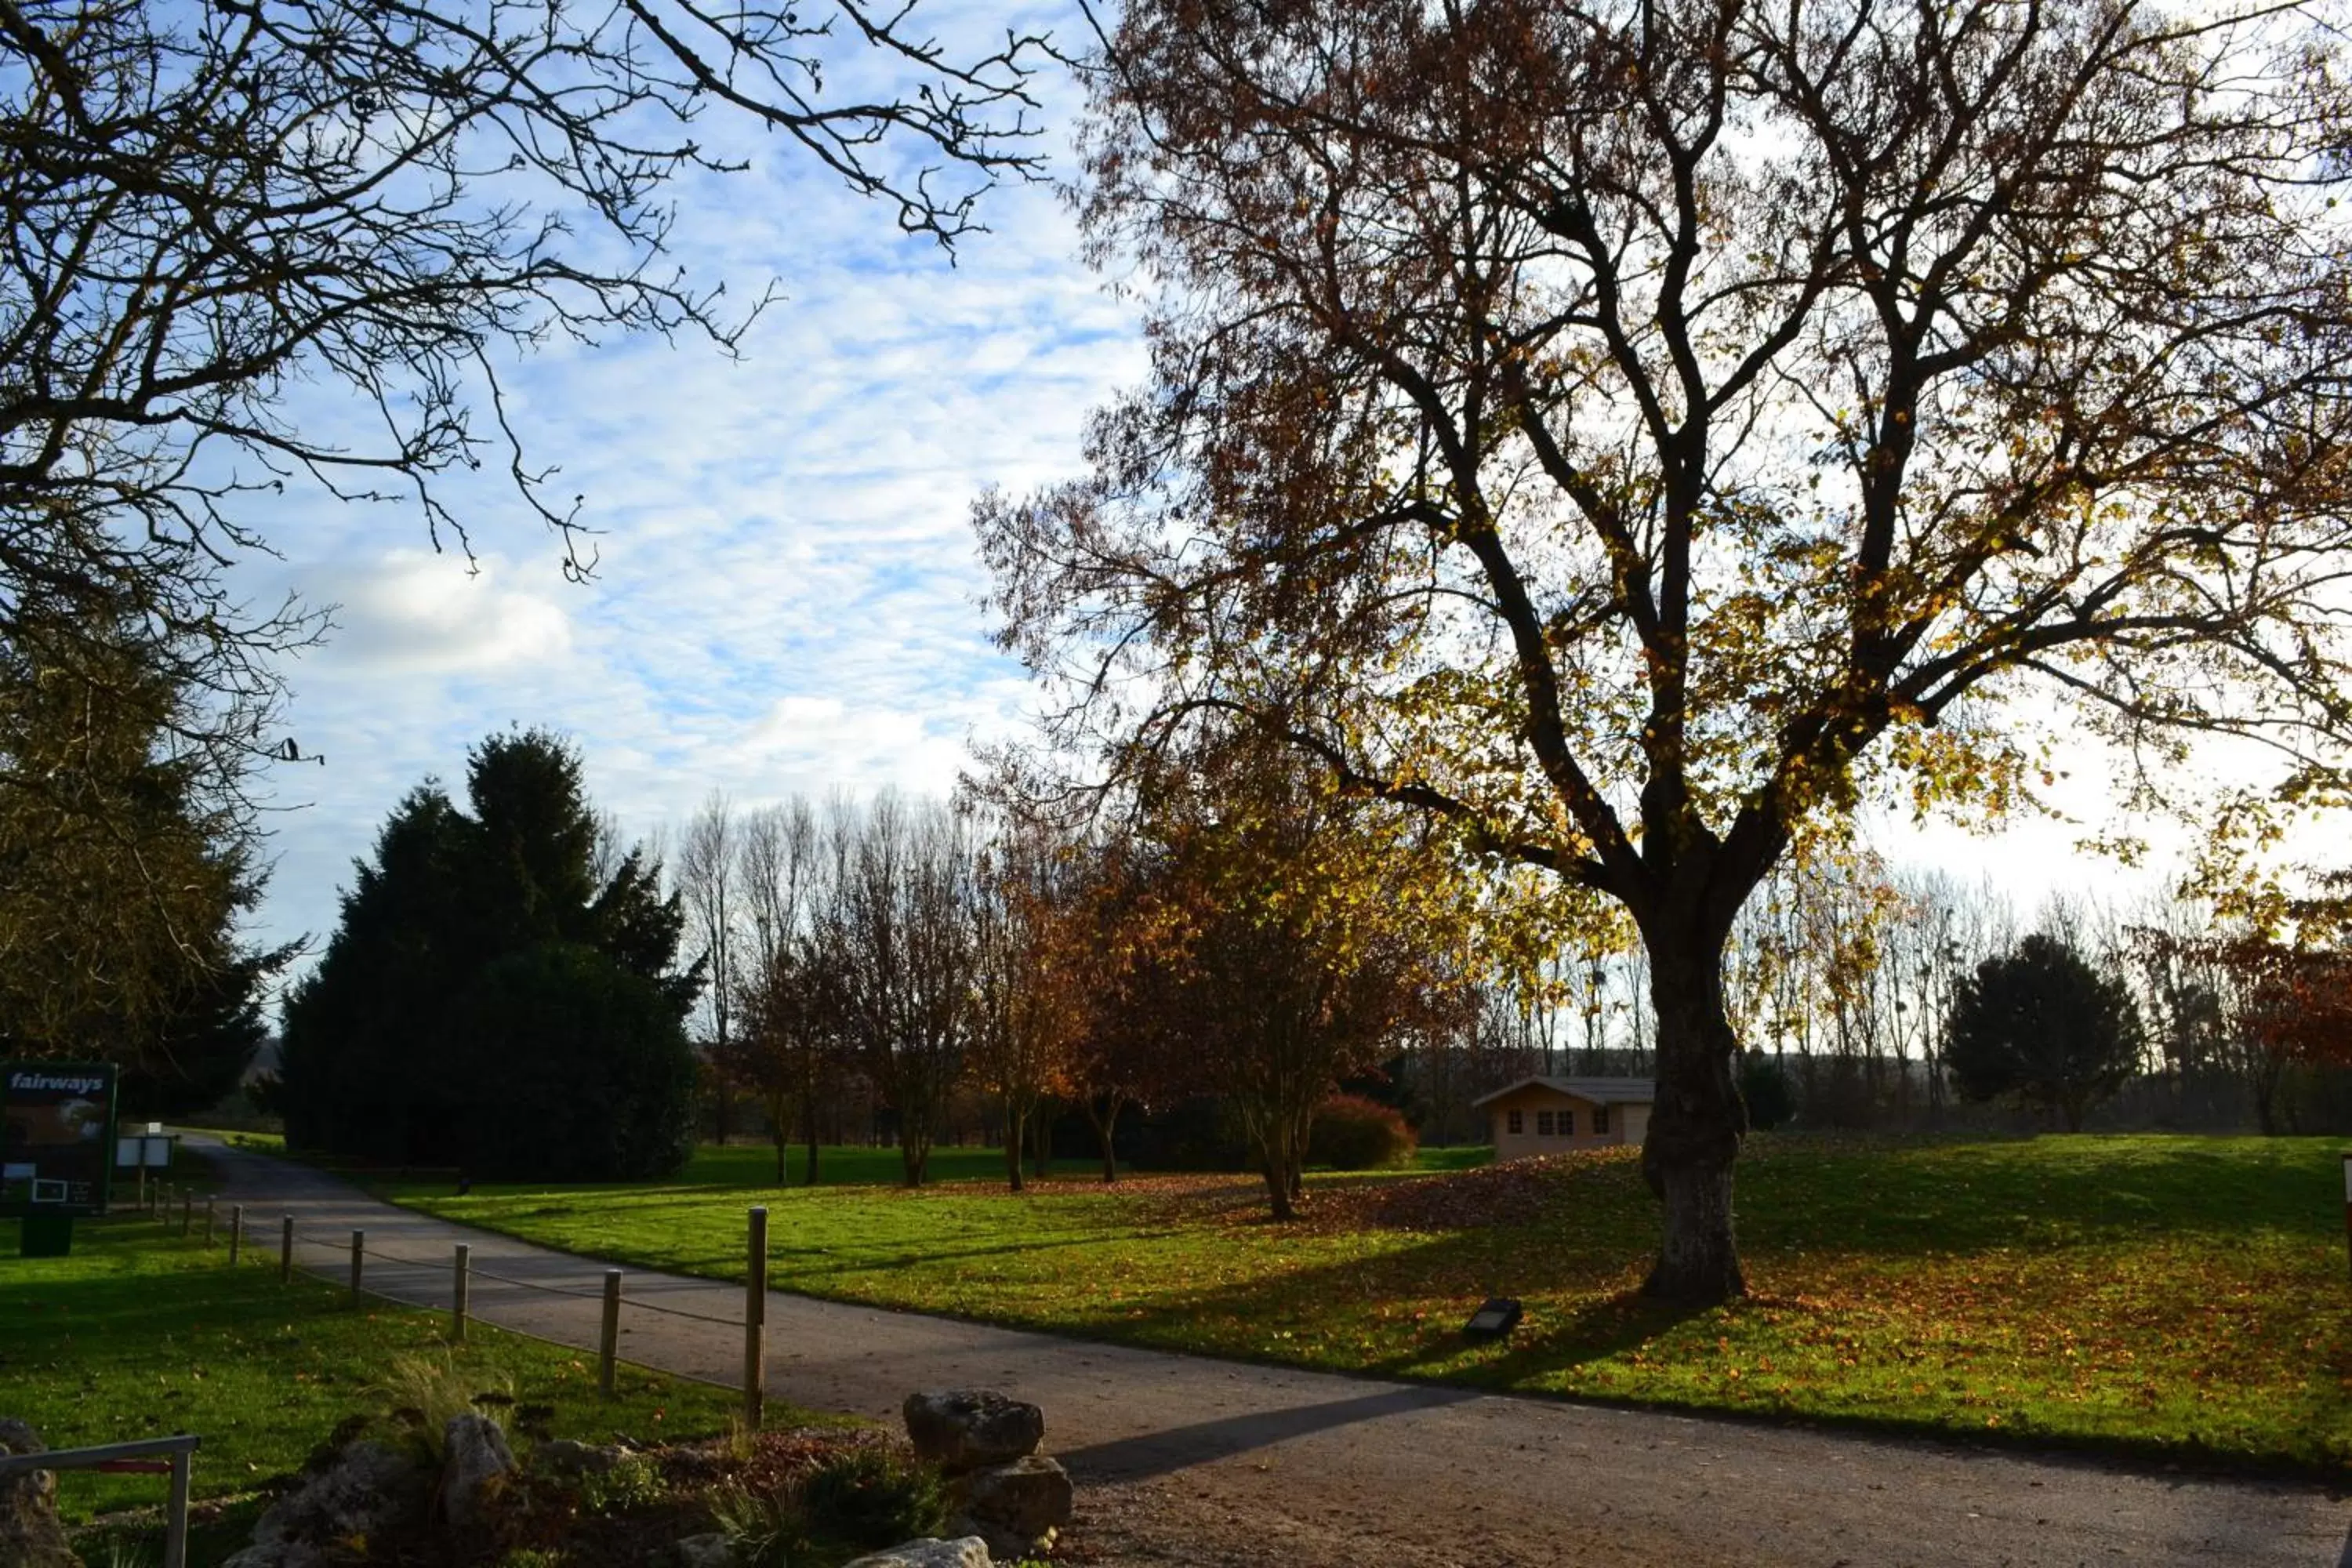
point(1208, 1463)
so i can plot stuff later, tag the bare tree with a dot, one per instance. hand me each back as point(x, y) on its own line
point(1036, 962)
point(785, 1045)
point(209, 206)
point(1634, 431)
point(707, 882)
point(895, 939)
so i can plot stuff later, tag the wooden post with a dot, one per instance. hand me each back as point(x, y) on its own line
point(461, 1279)
point(235, 1232)
point(208, 1222)
point(608, 1345)
point(187, 1210)
point(286, 1250)
point(175, 1518)
point(755, 1315)
point(359, 1262)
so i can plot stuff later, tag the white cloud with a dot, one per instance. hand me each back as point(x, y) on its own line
point(412, 612)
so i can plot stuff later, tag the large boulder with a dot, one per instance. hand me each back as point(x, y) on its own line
point(970, 1551)
point(969, 1429)
point(1028, 1500)
point(476, 1463)
point(368, 1489)
point(30, 1536)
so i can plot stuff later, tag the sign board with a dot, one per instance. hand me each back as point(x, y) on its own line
point(150, 1149)
point(57, 1137)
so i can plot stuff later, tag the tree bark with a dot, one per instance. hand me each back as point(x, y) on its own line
point(1696, 1127)
point(1106, 1126)
point(1015, 1129)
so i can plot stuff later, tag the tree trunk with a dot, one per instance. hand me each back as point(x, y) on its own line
point(1696, 1126)
point(808, 1125)
point(1106, 1126)
point(1278, 1187)
point(779, 1132)
point(1041, 1141)
point(1015, 1129)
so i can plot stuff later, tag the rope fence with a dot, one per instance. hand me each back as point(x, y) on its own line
point(160, 1199)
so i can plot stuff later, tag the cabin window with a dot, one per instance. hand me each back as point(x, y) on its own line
point(1543, 1123)
point(1513, 1119)
point(1599, 1118)
point(1568, 1123)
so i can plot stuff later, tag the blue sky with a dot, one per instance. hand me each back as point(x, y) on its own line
point(786, 595)
point(787, 592)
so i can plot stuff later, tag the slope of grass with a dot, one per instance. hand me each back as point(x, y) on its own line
point(2152, 1293)
point(139, 1333)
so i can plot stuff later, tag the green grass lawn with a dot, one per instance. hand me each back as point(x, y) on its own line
point(139, 1333)
point(2182, 1295)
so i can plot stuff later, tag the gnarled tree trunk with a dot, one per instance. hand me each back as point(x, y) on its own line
point(1696, 1125)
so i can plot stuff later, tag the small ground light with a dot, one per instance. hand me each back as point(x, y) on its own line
point(1500, 1314)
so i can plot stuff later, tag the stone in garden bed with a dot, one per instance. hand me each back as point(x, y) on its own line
point(1029, 1498)
point(970, 1551)
point(30, 1536)
point(970, 1428)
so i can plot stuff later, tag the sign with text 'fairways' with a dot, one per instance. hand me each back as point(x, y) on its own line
point(57, 1137)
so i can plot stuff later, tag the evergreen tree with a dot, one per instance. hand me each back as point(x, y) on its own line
point(487, 1001)
point(126, 859)
point(2041, 1024)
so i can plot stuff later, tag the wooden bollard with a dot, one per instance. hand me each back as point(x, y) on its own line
point(359, 1262)
point(286, 1250)
point(208, 1222)
point(187, 1210)
point(755, 1314)
point(461, 1282)
point(608, 1345)
point(235, 1232)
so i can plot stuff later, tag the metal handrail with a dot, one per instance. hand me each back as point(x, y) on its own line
point(180, 1449)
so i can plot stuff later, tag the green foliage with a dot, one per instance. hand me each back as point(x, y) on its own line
point(872, 1497)
point(604, 1087)
point(762, 1528)
point(632, 1481)
point(126, 859)
point(486, 1001)
point(425, 1390)
point(1771, 1100)
point(2043, 1025)
point(1353, 1134)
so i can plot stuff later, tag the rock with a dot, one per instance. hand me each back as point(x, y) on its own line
point(966, 1428)
point(1003, 1546)
point(30, 1536)
point(476, 1463)
point(930, 1552)
point(368, 1489)
point(711, 1550)
point(1029, 1498)
point(567, 1460)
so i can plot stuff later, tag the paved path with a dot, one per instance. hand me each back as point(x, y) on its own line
point(1321, 1469)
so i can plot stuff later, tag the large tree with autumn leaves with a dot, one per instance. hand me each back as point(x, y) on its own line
point(1635, 431)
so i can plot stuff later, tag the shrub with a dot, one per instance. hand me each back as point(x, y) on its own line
point(872, 1497)
point(1765, 1087)
point(1352, 1133)
point(632, 1482)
